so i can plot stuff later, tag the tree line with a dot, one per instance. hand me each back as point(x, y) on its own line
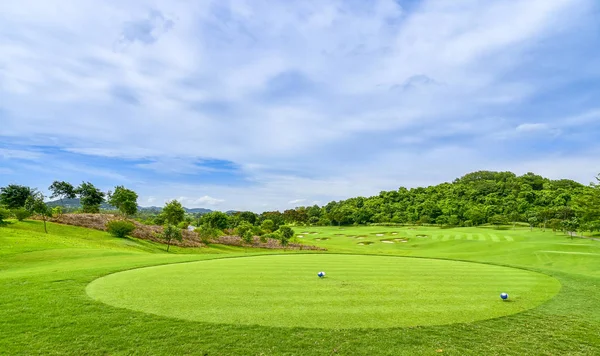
point(477, 198)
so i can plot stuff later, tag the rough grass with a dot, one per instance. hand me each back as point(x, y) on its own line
point(44, 308)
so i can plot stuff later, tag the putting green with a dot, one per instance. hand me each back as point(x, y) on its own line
point(359, 291)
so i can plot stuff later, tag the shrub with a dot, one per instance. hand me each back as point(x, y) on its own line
point(207, 233)
point(4, 214)
point(21, 214)
point(57, 210)
point(120, 228)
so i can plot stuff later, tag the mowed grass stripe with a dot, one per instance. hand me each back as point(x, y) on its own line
point(358, 292)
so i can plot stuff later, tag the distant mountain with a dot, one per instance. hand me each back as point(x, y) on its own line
point(75, 204)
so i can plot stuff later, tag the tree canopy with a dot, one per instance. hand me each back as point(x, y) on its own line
point(90, 197)
point(124, 199)
point(14, 196)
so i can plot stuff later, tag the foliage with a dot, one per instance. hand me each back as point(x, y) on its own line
point(173, 212)
point(475, 199)
point(124, 199)
point(286, 233)
point(14, 196)
point(268, 225)
point(57, 210)
point(62, 190)
point(207, 233)
point(35, 205)
point(169, 233)
point(216, 220)
point(90, 197)
point(21, 214)
point(245, 231)
point(120, 228)
point(4, 214)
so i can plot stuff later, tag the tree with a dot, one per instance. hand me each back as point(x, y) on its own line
point(286, 233)
point(171, 232)
point(244, 230)
point(571, 226)
point(173, 212)
point(62, 190)
point(268, 225)
point(36, 205)
point(90, 197)
point(216, 219)
point(14, 196)
point(123, 199)
point(248, 216)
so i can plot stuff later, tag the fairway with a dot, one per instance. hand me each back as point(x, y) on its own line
point(358, 292)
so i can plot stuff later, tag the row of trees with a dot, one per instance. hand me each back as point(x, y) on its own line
point(477, 198)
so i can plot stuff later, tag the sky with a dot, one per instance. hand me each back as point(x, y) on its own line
point(262, 105)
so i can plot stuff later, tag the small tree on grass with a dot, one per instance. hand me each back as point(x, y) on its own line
point(245, 231)
point(171, 232)
point(120, 228)
point(286, 234)
point(35, 204)
point(571, 226)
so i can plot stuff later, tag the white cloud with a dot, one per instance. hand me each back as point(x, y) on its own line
point(296, 201)
point(307, 88)
point(151, 200)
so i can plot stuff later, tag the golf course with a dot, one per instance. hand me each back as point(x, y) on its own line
point(387, 290)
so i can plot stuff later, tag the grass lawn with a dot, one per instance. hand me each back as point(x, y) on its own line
point(274, 304)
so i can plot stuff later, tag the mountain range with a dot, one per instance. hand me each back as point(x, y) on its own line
point(75, 204)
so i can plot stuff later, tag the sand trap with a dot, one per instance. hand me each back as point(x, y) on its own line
point(379, 235)
point(300, 236)
point(365, 243)
point(387, 242)
point(394, 233)
point(403, 241)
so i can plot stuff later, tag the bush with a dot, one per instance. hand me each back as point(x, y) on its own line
point(21, 214)
point(57, 210)
point(120, 228)
point(4, 214)
point(207, 233)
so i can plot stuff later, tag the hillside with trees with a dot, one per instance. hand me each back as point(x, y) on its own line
point(477, 198)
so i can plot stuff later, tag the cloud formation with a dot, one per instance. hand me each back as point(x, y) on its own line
point(259, 102)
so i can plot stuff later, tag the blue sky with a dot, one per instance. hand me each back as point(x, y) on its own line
point(260, 105)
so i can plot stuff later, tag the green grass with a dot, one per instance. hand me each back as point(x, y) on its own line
point(357, 292)
point(44, 307)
